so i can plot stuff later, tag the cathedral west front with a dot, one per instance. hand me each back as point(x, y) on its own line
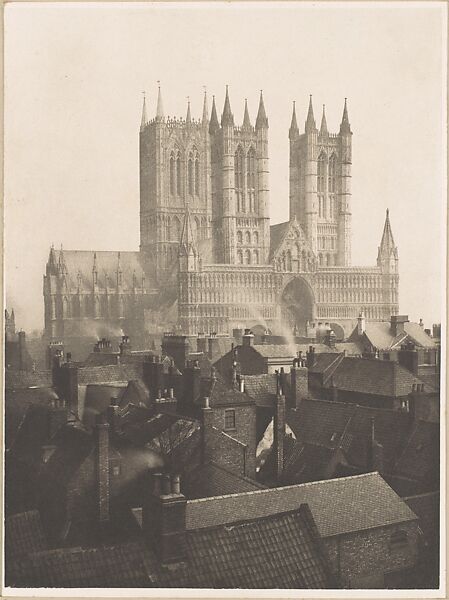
point(209, 260)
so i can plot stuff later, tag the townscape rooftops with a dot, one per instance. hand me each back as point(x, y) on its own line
point(262, 388)
point(27, 379)
point(275, 551)
point(211, 479)
point(358, 503)
point(373, 376)
point(109, 373)
point(381, 335)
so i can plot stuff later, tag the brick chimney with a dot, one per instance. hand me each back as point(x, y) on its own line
point(192, 383)
point(330, 338)
point(376, 451)
point(279, 428)
point(164, 518)
point(176, 346)
point(167, 402)
point(361, 323)
point(101, 433)
point(125, 345)
point(248, 338)
point(397, 323)
point(104, 345)
point(65, 380)
point(299, 383)
point(310, 360)
point(153, 375)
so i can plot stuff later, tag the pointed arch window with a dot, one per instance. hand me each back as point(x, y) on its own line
point(332, 173)
point(256, 237)
point(247, 237)
point(190, 174)
point(172, 174)
point(251, 178)
point(239, 237)
point(240, 257)
point(197, 174)
point(321, 184)
point(178, 174)
point(256, 257)
point(238, 175)
point(248, 257)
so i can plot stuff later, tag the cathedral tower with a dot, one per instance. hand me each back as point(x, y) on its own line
point(240, 187)
point(174, 175)
point(320, 190)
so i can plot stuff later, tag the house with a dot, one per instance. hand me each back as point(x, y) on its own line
point(173, 549)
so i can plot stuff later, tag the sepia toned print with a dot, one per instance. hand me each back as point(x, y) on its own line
point(215, 392)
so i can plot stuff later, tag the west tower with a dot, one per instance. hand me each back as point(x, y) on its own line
point(320, 186)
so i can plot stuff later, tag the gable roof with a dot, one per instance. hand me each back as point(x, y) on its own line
point(262, 388)
point(212, 479)
point(109, 373)
point(380, 335)
point(358, 503)
point(276, 551)
point(374, 376)
point(24, 534)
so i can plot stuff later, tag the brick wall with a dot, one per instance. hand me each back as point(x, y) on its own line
point(369, 555)
point(221, 448)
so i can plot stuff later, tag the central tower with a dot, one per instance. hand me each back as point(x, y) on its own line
point(320, 186)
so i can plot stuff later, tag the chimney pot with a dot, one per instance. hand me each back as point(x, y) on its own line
point(206, 402)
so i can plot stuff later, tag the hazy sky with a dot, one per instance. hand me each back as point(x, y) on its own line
point(74, 75)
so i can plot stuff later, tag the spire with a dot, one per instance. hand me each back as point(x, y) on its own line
point(323, 128)
point(387, 248)
point(227, 118)
point(214, 124)
point(187, 242)
point(205, 109)
point(294, 131)
point(144, 114)
point(188, 116)
point(261, 121)
point(160, 107)
point(246, 119)
point(345, 127)
point(310, 121)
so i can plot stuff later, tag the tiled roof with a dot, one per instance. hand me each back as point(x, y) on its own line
point(79, 261)
point(357, 503)
point(97, 399)
point(326, 361)
point(212, 479)
point(262, 388)
point(27, 379)
point(381, 337)
point(288, 351)
point(109, 373)
point(320, 422)
point(24, 534)
point(374, 376)
point(421, 455)
point(224, 394)
point(278, 551)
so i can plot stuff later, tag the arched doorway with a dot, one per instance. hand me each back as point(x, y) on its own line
point(297, 305)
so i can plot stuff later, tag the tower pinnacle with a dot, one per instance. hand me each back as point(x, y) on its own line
point(261, 120)
point(205, 118)
point(227, 118)
point(144, 114)
point(246, 119)
point(345, 127)
point(387, 249)
point(160, 107)
point(188, 116)
point(323, 128)
point(310, 121)
point(213, 124)
point(294, 131)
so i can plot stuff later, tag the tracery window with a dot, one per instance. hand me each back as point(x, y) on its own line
point(239, 237)
point(321, 184)
point(238, 174)
point(251, 179)
point(178, 174)
point(190, 174)
point(172, 174)
point(197, 175)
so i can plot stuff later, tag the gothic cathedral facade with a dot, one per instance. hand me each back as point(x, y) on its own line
point(209, 261)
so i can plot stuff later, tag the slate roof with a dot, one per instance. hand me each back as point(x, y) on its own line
point(262, 388)
point(421, 455)
point(82, 261)
point(358, 503)
point(24, 534)
point(211, 479)
point(109, 373)
point(221, 394)
point(288, 351)
point(277, 551)
point(337, 424)
point(374, 376)
point(381, 337)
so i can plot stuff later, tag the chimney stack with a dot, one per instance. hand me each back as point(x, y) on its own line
point(192, 383)
point(125, 345)
point(102, 470)
point(164, 518)
point(397, 324)
point(299, 383)
point(58, 415)
point(310, 360)
point(153, 375)
point(279, 429)
point(248, 338)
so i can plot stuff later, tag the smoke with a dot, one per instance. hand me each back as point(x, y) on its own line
point(91, 328)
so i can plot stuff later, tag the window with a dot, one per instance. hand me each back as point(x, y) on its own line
point(256, 257)
point(247, 237)
point(321, 185)
point(172, 174)
point(239, 237)
point(248, 257)
point(240, 257)
point(178, 174)
point(238, 175)
point(229, 419)
point(190, 175)
point(256, 237)
point(197, 175)
point(251, 178)
point(332, 173)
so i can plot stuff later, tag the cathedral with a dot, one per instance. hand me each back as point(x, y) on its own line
point(209, 261)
